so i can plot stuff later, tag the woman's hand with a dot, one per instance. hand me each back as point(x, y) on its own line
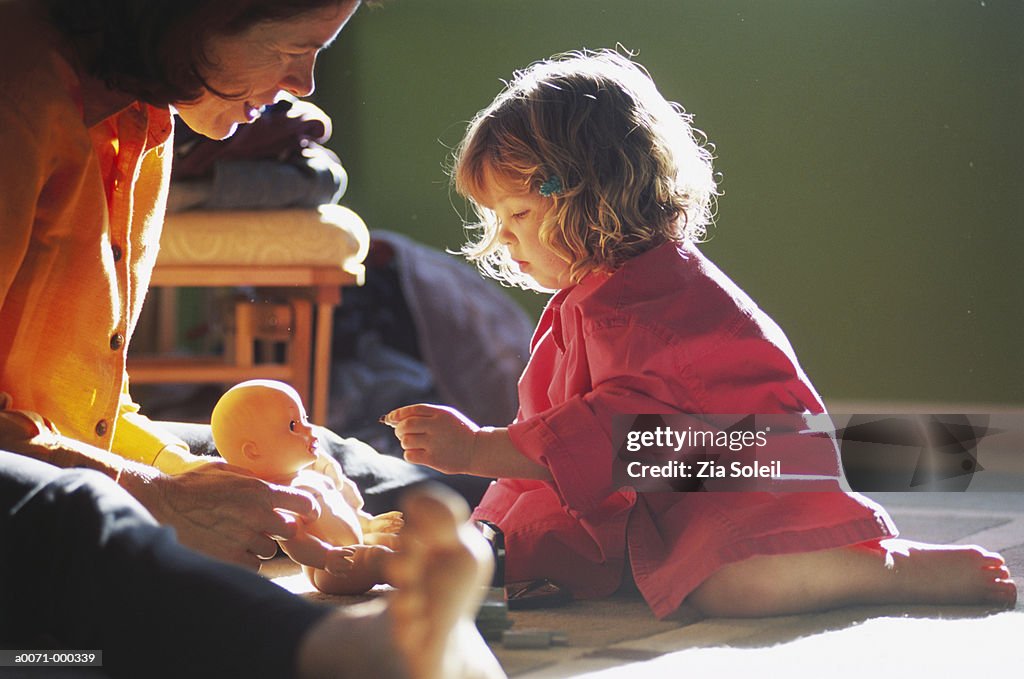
point(221, 510)
point(435, 436)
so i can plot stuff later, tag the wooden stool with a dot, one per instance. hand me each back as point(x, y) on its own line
point(307, 256)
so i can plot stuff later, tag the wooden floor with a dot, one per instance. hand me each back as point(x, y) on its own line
point(619, 638)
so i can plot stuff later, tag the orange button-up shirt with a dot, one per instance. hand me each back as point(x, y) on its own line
point(83, 183)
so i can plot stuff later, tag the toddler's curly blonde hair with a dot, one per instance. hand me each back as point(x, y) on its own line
point(633, 171)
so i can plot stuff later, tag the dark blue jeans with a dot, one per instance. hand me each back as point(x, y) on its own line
point(85, 566)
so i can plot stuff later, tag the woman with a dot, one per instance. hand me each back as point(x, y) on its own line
point(87, 94)
point(85, 127)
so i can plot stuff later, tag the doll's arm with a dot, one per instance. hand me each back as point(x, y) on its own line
point(339, 522)
point(350, 492)
point(307, 549)
point(331, 468)
point(445, 439)
point(389, 522)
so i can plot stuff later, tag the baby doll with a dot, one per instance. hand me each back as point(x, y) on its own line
point(261, 425)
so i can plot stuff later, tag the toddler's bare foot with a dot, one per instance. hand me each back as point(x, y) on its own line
point(441, 571)
point(894, 571)
point(948, 574)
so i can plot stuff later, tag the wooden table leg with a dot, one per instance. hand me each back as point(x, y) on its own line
point(299, 348)
point(327, 297)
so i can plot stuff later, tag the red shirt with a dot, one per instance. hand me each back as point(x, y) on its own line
point(666, 333)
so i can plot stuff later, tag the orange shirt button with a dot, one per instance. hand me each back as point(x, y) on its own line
point(116, 341)
point(101, 428)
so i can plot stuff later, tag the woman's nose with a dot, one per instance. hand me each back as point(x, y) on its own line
point(299, 78)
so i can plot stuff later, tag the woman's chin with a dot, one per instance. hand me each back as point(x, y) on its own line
point(214, 129)
point(219, 132)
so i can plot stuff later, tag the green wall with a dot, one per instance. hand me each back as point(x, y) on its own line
point(871, 154)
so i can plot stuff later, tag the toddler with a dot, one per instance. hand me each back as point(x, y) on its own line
point(590, 184)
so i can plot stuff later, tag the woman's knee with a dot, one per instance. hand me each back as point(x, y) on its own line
point(82, 505)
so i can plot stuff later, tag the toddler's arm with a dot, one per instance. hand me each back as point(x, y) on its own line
point(445, 439)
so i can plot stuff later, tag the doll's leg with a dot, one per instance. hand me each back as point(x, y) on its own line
point(388, 522)
point(890, 571)
point(368, 566)
point(383, 529)
point(391, 540)
point(306, 548)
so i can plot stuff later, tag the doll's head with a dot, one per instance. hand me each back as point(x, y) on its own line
point(262, 426)
point(620, 166)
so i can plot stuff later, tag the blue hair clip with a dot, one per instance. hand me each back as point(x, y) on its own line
point(552, 187)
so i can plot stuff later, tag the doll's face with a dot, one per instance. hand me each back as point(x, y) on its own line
point(284, 435)
point(262, 425)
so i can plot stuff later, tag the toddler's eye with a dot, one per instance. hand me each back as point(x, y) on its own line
point(520, 215)
point(291, 425)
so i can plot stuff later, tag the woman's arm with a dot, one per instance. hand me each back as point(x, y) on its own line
point(32, 435)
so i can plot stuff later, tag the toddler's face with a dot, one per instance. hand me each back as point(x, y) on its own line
point(520, 214)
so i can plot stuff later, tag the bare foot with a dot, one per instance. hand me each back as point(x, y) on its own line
point(425, 629)
point(948, 574)
point(441, 572)
point(897, 571)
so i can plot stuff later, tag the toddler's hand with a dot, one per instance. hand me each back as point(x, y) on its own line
point(436, 436)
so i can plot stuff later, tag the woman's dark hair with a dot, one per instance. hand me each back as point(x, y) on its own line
point(156, 49)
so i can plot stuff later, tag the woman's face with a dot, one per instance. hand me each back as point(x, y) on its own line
point(255, 66)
